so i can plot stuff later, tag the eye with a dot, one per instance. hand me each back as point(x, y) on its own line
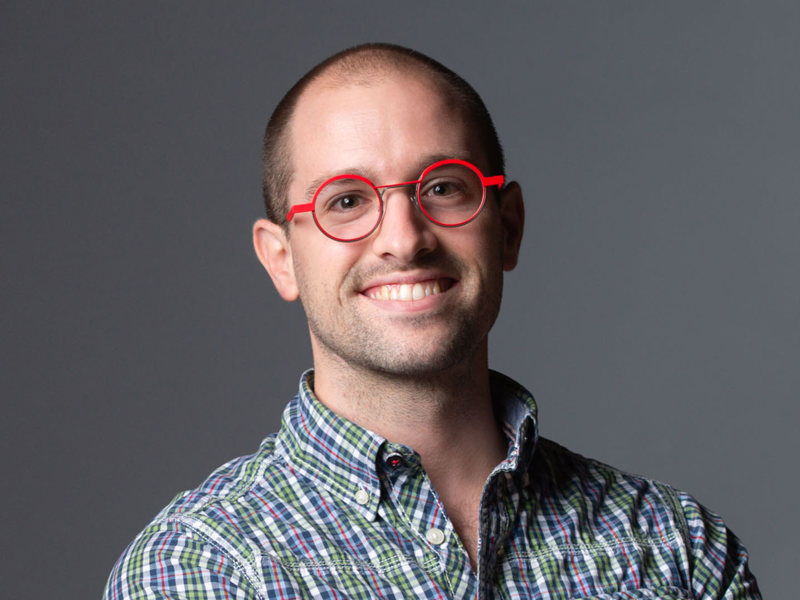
point(344, 203)
point(441, 189)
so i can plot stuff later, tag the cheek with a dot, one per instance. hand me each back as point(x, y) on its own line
point(322, 266)
point(483, 246)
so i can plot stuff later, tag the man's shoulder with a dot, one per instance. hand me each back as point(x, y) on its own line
point(212, 510)
point(614, 508)
point(203, 530)
point(622, 503)
point(226, 483)
point(557, 469)
point(558, 464)
point(570, 481)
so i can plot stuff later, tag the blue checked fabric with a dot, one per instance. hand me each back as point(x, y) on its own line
point(326, 509)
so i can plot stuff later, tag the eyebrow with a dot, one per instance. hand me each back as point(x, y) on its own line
point(422, 164)
point(315, 185)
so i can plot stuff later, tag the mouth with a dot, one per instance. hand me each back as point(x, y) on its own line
point(409, 292)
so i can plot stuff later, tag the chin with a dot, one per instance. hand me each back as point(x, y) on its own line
point(424, 362)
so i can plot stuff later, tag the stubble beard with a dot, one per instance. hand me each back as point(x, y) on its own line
point(367, 347)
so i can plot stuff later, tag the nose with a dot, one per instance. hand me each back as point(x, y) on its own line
point(404, 232)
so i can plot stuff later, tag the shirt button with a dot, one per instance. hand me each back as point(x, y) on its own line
point(362, 497)
point(435, 536)
point(395, 460)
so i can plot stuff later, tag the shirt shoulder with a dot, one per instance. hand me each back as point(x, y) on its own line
point(640, 516)
point(226, 483)
point(196, 543)
point(607, 505)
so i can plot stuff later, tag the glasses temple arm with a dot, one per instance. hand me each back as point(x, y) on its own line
point(298, 208)
point(494, 180)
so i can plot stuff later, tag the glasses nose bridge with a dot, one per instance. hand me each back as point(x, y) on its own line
point(412, 192)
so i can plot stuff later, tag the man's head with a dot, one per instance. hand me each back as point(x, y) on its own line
point(365, 64)
point(412, 297)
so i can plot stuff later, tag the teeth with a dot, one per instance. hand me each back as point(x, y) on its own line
point(406, 292)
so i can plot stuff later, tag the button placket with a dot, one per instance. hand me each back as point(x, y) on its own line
point(418, 506)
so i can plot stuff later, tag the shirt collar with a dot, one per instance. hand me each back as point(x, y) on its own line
point(515, 409)
point(343, 457)
point(332, 451)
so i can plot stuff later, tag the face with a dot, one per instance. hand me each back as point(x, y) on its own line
point(413, 298)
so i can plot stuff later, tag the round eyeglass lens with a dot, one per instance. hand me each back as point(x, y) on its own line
point(347, 208)
point(451, 194)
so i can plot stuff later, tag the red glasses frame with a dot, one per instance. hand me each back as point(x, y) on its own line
point(485, 181)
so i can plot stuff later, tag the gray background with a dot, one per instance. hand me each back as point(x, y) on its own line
point(654, 313)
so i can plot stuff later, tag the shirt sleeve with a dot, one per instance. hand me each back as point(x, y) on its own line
point(165, 562)
point(719, 561)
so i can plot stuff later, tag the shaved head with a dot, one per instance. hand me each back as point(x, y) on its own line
point(365, 65)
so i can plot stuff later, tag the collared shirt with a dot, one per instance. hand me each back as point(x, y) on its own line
point(326, 509)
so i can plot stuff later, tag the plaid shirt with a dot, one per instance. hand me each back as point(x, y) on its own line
point(326, 509)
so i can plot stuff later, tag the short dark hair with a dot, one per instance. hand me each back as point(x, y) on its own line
point(349, 66)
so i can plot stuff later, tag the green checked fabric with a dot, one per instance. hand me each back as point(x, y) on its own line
point(326, 509)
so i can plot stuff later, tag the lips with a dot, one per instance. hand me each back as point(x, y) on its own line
point(408, 292)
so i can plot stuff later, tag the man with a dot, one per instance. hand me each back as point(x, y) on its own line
point(404, 468)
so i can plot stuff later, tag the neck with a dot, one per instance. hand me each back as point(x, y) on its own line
point(443, 416)
point(412, 409)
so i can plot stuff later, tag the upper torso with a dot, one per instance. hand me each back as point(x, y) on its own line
point(326, 509)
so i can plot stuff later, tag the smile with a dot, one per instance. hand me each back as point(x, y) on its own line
point(408, 292)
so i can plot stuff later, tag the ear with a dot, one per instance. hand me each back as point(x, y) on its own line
point(273, 250)
point(512, 214)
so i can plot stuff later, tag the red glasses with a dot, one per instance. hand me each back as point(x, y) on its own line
point(348, 208)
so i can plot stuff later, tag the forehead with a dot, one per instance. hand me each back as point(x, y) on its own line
point(383, 123)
